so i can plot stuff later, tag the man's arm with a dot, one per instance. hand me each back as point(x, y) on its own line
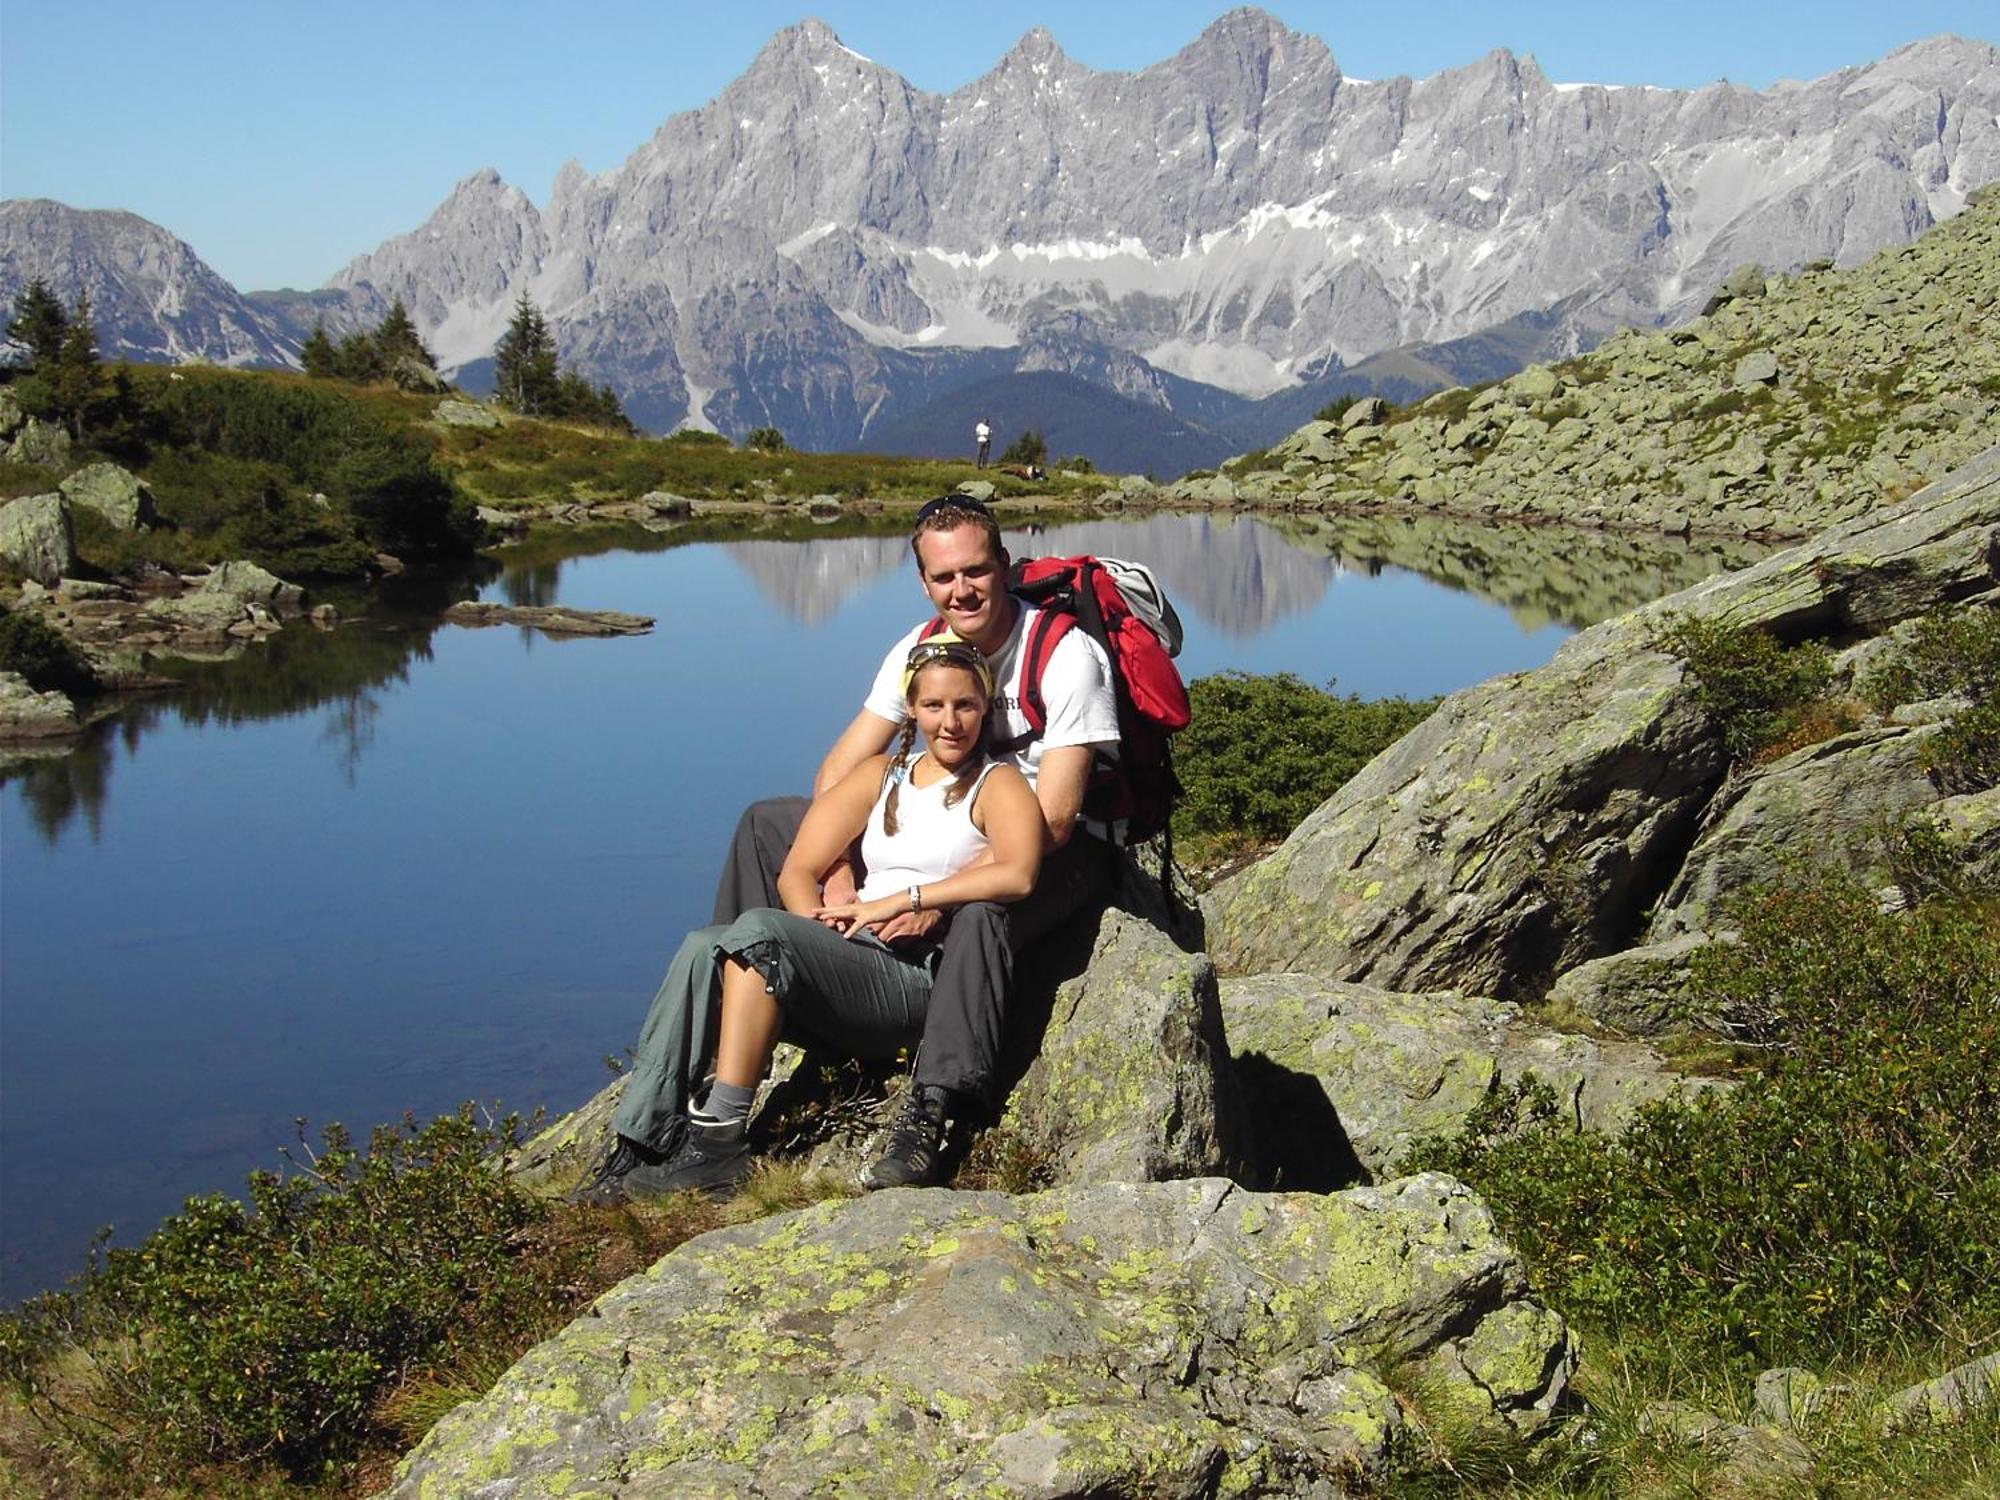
point(869, 734)
point(1059, 786)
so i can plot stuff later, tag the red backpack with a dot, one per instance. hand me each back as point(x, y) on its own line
point(1122, 607)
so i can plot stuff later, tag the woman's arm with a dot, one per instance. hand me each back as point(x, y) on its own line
point(832, 823)
point(1008, 814)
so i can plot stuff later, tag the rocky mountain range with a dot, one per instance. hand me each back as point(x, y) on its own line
point(1223, 238)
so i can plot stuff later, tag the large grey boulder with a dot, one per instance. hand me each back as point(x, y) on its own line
point(1527, 826)
point(36, 538)
point(1827, 803)
point(1173, 1340)
point(11, 415)
point(1131, 1082)
point(465, 414)
point(1386, 1069)
point(115, 493)
point(1641, 991)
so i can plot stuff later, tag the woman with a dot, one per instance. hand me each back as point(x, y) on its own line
point(945, 828)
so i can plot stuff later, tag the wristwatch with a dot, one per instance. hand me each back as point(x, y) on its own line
point(916, 898)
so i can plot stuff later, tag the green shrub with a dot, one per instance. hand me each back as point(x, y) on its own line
point(1952, 651)
point(1755, 688)
point(694, 437)
point(1840, 1200)
point(265, 1331)
point(1337, 408)
point(1964, 756)
point(42, 654)
point(765, 440)
point(1261, 752)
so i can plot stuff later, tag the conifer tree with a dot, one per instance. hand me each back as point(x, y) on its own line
point(75, 376)
point(38, 325)
point(397, 336)
point(524, 362)
point(317, 354)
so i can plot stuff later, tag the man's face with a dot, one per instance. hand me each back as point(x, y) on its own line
point(967, 583)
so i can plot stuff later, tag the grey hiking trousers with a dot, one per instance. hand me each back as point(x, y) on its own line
point(966, 1018)
point(852, 996)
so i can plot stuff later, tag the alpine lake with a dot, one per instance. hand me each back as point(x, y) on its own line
point(397, 865)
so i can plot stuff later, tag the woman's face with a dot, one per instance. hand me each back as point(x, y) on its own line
point(950, 710)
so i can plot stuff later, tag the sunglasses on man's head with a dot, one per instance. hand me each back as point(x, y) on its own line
point(949, 503)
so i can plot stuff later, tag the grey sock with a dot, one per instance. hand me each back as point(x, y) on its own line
point(727, 1102)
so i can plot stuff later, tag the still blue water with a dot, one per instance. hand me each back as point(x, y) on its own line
point(459, 876)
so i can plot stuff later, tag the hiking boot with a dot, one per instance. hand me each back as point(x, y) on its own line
point(916, 1142)
point(604, 1186)
point(711, 1158)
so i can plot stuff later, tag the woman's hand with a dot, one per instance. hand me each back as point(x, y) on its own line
point(850, 917)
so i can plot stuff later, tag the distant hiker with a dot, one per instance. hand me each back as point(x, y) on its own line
point(982, 434)
point(947, 827)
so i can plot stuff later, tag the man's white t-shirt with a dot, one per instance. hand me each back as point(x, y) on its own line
point(1076, 691)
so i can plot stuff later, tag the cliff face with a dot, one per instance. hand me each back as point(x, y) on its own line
point(1799, 402)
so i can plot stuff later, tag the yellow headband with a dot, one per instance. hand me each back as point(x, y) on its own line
point(952, 650)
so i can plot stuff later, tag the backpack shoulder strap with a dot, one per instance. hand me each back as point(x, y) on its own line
point(1048, 629)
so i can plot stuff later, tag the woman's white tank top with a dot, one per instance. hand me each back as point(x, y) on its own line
point(931, 840)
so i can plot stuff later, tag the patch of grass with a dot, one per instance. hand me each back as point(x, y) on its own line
point(1951, 651)
point(1964, 756)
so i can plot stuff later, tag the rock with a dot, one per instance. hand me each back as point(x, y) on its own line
point(1369, 411)
point(509, 522)
point(1536, 383)
point(90, 588)
point(36, 539)
point(1529, 823)
point(1754, 1458)
point(464, 414)
point(122, 498)
point(412, 374)
point(1952, 1397)
point(28, 715)
point(1172, 1339)
point(1209, 488)
point(825, 507)
point(245, 581)
point(976, 489)
point(1345, 1078)
point(1130, 1082)
point(1639, 992)
point(40, 442)
point(1135, 484)
point(1759, 368)
point(11, 415)
point(1826, 802)
point(660, 503)
point(197, 613)
point(323, 616)
point(553, 619)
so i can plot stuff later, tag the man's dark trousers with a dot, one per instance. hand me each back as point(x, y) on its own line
point(967, 1018)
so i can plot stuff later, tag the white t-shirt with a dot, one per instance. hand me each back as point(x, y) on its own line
point(1076, 691)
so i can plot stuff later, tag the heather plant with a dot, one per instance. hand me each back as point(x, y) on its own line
point(1758, 690)
point(1836, 1202)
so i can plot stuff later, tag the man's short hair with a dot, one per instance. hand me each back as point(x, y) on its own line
point(948, 513)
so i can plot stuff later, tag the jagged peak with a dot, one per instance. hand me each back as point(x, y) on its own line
point(1037, 44)
point(1255, 35)
point(569, 177)
point(811, 38)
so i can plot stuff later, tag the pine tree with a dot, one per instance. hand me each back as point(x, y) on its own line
point(524, 362)
point(75, 376)
point(397, 336)
point(38, 325)
point(317, 355)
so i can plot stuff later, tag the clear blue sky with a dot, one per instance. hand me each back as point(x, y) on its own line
point(281, 139)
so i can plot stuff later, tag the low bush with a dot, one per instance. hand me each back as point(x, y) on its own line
point(1757, 689)
point(41, 653)
point(1951, 651)
point(1839, 1201)
point(1261, 752)
point(1964, 756)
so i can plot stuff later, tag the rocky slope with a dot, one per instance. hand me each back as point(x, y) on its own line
point(1799, 402)
point(1542, 821)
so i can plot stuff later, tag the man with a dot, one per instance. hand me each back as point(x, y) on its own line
point(963, 568)
point(982, 437)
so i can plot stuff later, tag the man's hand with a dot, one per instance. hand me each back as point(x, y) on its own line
point(908, 927)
